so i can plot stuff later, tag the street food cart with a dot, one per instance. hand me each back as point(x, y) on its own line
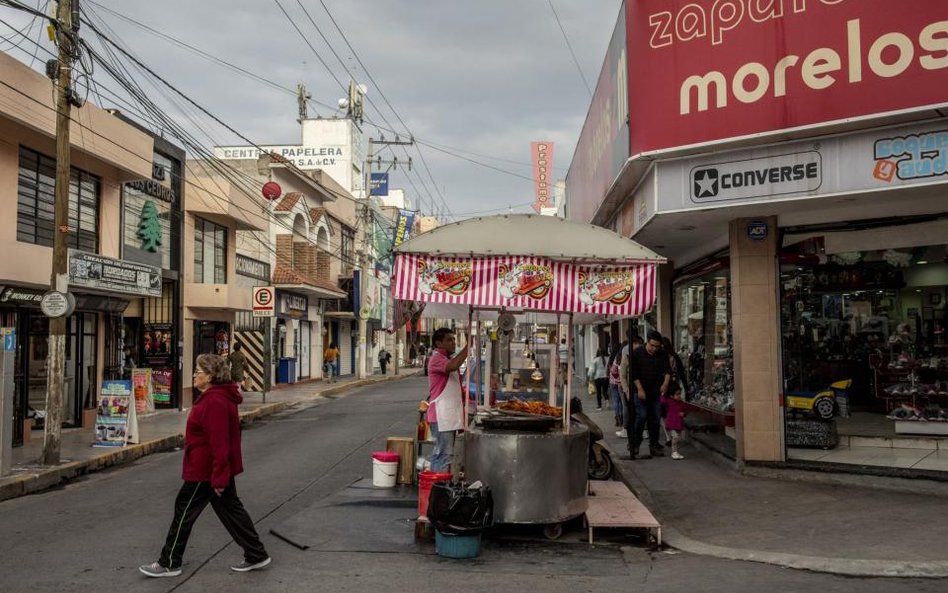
point(549, 270)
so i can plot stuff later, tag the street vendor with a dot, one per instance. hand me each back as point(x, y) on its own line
point(445, 396)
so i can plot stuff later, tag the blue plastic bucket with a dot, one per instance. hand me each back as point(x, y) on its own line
point(457, 546)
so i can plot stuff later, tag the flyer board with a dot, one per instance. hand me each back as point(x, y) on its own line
point(113, 415)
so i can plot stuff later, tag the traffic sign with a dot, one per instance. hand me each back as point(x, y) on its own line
point(263, 301)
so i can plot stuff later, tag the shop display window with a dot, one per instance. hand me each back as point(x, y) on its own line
point(876, 318)
point(702, 337)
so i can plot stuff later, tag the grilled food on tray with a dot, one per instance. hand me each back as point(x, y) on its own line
point(531, 407)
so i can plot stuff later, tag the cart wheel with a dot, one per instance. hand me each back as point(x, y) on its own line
point(553, 530)
point(824, 407)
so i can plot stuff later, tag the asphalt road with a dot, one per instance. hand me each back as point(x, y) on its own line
point(304, 469)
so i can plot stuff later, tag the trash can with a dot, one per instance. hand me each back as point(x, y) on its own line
point(286, 370)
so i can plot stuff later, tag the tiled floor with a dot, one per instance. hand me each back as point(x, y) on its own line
point(881, 456)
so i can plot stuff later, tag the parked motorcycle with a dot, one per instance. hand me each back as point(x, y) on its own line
point(600, 459)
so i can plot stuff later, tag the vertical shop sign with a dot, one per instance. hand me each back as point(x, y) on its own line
point(542, 171)
point(403, 227)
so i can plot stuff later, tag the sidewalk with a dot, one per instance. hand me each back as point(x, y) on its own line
point(161, 431)
point(707, 507)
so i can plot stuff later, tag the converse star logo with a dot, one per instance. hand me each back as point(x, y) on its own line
point(706, 183)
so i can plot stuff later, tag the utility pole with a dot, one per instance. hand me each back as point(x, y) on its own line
point(66, 30)
point(371, 158)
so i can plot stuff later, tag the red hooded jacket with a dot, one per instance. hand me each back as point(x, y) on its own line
point(212, 437)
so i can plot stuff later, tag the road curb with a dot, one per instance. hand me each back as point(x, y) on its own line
point(31, 482)
point(854, 567)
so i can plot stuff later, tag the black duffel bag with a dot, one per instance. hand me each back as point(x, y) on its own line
point(459, 508)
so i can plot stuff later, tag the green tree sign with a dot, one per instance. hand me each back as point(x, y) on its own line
point(149, 228)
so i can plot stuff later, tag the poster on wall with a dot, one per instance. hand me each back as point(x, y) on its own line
point(157, 345)
point(222, 343)
point(161, 386)
point(113, 414)
point(142, 390)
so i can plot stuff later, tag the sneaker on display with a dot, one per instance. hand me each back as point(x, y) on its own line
point(156, 570)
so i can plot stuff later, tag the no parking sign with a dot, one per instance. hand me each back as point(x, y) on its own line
point(263, 301)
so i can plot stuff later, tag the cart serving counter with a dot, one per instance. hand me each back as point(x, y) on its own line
point(554, 270)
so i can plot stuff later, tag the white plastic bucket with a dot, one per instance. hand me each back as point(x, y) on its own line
point(384, 473)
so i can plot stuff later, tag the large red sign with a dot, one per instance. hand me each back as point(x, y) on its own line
point(707, 70)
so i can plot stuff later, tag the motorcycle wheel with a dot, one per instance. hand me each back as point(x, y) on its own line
point(601, 470)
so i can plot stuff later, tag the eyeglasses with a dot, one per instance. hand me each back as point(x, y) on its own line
point(199, 372)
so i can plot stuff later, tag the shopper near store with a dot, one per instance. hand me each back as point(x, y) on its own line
point(598, 373)
point(238, 364)
point(650, 377)
point(211, 460)
point(625, 379)
point(412, 355)
point(445, 396)
point(674, 421)
point(615, 387)
point(331, 362)
point(384, 358)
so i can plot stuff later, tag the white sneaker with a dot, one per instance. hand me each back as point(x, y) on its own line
point(622, 434)
point(245, 566)
point(156, 570)
point(676, 455)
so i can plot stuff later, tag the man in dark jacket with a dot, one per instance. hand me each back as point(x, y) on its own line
point(211, 460)
point(650, 375)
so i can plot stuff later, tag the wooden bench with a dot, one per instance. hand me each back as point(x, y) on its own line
point(612, 504)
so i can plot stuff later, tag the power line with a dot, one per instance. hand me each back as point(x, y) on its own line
point(570, 47)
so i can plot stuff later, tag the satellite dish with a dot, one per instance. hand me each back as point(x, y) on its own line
point(506, 322)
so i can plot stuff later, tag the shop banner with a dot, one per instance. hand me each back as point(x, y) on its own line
point(527, 283)
point(161, 386)
point(142, 389)
point(113, 414)
point(703, 71)
point(378, 184)
point(403, 227)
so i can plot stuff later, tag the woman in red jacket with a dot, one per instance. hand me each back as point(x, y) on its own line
point(211, 460)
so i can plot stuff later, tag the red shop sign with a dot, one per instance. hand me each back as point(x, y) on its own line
point(706, 70)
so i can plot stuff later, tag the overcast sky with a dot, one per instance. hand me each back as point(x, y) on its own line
point(485, 77)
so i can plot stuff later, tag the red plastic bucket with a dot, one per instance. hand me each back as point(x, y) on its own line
point(385, 456)
point(425, 480)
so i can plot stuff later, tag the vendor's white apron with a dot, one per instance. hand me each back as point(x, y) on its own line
point(449, 406)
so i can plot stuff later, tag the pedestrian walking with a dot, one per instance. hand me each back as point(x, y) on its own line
point(412, 355)
point(677, 384)
point(615, 389)
point(445, 396)
point(238, 366)
point(674, 421)
point(384, 358)
point(625, 377)
point(211, 460)
point(650, 376)
point(599, 375)
point(331, 362)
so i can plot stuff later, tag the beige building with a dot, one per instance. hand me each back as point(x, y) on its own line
point(216, 207)
point(105, 153)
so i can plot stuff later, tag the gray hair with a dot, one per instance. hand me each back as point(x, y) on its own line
point(215, 366)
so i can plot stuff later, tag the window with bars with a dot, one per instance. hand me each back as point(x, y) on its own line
point(210, 252)
point(36, 203)
point(347, 243)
